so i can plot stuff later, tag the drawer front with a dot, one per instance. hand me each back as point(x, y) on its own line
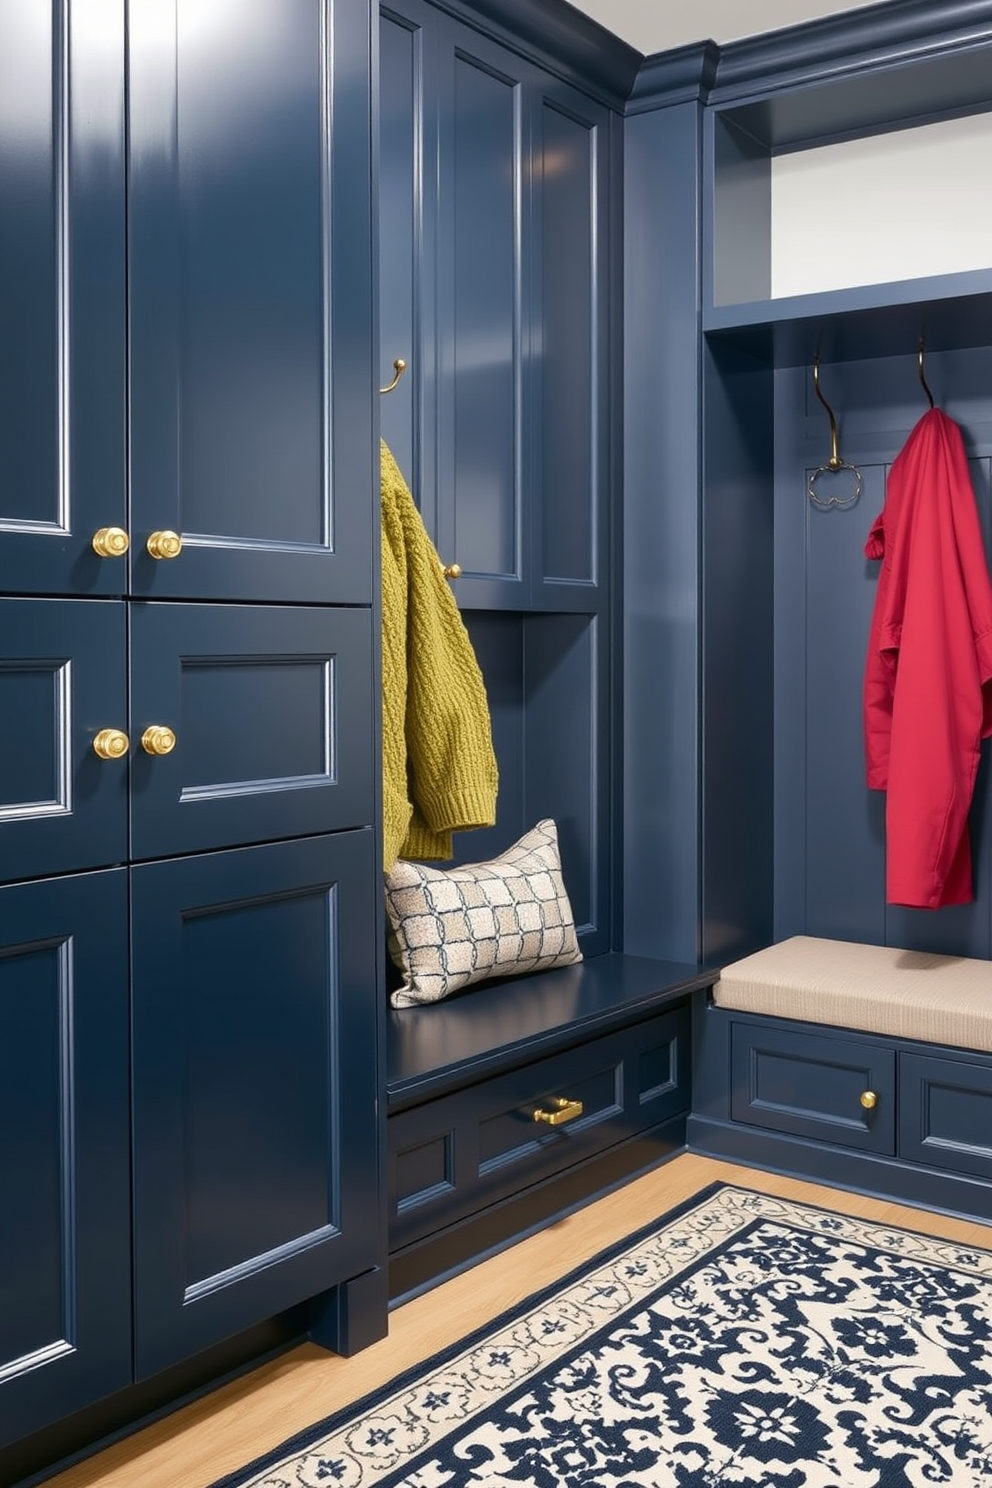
point(811, 1085)
point(946, 1114)
point(452, 1156)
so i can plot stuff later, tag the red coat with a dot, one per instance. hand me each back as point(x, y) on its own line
point(928, 677)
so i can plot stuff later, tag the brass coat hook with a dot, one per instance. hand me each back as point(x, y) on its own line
point(835, 463)
point(923, 381)
point(399, 367)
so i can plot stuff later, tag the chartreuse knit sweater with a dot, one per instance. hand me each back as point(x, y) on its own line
point(439, 768)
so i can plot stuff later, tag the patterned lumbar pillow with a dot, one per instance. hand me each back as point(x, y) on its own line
point(450, 927)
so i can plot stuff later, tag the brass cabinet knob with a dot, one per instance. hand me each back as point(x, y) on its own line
point(564, 1110)
point(111, 542)
point(869, 1099)
point(157, 739)
point(164, 544)
point(111, 743)
point(452, 570)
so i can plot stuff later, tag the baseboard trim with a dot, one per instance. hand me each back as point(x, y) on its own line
point(885, 1178)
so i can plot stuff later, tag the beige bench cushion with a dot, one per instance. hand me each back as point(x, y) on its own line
point(879, 989)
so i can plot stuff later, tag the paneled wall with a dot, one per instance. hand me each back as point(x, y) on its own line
point(830, 829)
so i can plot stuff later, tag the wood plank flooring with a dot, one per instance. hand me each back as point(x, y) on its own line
point(195, 1446)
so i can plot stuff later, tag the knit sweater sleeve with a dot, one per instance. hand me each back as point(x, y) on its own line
point(396, 805)
point(451, 771)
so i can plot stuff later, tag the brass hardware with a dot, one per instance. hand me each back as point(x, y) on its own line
point(452, 570)
point(923, 381)
point(869, 1099)
point(111, 542)
point(835, 463)
point(111, 743)
point(157, 739)
point(399, 367)
point(164, 544)
point(564, 1110)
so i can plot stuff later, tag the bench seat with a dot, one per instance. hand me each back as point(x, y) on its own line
point(876, 989)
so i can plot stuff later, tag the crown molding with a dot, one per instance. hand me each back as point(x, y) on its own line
point(872, 38)
point(559, 38)
point(835, 46)
point(681, 75)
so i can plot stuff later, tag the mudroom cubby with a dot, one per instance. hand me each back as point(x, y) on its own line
point(794, 842)
point(797, 633)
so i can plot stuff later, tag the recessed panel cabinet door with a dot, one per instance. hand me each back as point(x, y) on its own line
point(63, 690)
point(264, 720)
point(65, 1318)
point(62, 308)
point(252, 375)
point(254, 1015)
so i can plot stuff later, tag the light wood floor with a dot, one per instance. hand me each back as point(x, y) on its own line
point(222, 1432)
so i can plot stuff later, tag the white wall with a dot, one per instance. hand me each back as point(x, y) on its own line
point(902, 205)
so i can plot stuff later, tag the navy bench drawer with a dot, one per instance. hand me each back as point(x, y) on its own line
point(946, 1113)
point(810, 1085)
point(451, 1157)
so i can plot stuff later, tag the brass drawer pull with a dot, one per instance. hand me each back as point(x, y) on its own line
point(869, 1100)
point(564, 1110)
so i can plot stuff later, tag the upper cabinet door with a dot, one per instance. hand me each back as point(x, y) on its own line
point(573, 262)
point(62, 308)
point(496, 268)
point(250, 301)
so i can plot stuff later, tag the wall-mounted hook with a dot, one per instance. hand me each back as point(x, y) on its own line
point(923, 381)
point(835, 463)
point(399, 367)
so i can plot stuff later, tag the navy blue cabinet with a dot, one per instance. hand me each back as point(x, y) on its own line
point(495, 276)
point(189, 867)
point(271, 711)
point(62, 305)
point(249, 267)
point(65, 1323)
point(254, 1014)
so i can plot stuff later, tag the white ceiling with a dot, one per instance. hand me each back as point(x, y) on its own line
point(656, 25)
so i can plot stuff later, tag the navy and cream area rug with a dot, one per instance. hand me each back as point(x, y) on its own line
point(742, 1340)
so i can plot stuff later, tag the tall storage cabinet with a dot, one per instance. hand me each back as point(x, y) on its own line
point(189, 1002)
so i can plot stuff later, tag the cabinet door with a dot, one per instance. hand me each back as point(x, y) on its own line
point(568, 481)
point(62, 681)
point(255, 1111)
point(494, 285)
point(250, 298)
point(65, 1322)
point(62, 320)
point(271, 709)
